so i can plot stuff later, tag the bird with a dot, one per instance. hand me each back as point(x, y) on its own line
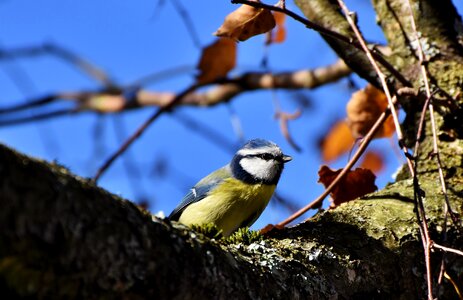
point(235, 195)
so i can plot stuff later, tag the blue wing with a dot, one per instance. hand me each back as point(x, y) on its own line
point(200, 191)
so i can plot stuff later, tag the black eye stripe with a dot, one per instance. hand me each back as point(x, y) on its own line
point(265, 156)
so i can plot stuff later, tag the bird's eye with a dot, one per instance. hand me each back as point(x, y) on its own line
point(266, 156)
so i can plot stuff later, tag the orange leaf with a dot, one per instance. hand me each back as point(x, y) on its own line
point(337, 141)
point(373, 161)
point(355, 184)
point(278, 34)
point(388, 128)
point(245, 22)
point(217, 60)
point(364, 108)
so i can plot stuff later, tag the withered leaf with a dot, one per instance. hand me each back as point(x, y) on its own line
point(217, 60)
point(355, 184)
point(373, 160)
point(364, 108)
point(278, 34)
point(245, 22)
point(336, 142)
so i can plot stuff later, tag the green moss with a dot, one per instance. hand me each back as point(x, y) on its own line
point(243, 236)
point(208, 230)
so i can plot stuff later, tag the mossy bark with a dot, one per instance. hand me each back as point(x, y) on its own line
point(62, 237)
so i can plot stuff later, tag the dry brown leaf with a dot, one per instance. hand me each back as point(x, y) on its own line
point(245, 22)
point(373, 160)
point(355, 184)
point(278, 34)
point(217, 60)
point(280, 30)
point(336, 142)
point(364, 108)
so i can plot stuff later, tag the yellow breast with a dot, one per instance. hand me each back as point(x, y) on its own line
point(230, 206)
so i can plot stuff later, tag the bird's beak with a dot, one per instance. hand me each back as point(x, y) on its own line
point(286, 158)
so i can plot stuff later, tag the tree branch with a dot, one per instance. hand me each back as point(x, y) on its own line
point(63, 237)
point(110, 101)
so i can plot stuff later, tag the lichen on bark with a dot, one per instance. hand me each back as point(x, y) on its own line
point(63, 237)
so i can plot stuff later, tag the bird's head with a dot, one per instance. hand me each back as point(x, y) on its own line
point(259, 161)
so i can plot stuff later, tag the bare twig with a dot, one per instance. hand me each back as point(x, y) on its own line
point(29, 104)
point(160, 75)
point(330, 33)
point(25, 84)
point(412, 167)
point(361, 149)
point(236, 124)
point(38, 117)
point(381, 76)
point(447, 249)
point(53, 49)
point(189, 24)
point(143, 127)
point(284, 118)
point(284, 202)
point(210, 133)
point(447, 208)
point(424, 74)
point(133, 172)
point(116, 100)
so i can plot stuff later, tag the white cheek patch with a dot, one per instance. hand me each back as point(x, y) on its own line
point(260, 168)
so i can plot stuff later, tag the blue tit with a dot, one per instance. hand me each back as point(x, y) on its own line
point(235, 195)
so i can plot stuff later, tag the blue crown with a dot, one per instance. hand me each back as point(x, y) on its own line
point(258, 143)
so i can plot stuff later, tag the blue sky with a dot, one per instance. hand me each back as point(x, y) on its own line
point(132, 39)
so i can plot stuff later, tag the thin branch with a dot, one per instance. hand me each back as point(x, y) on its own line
point(284, 119)
point(447, 249)
point(84, 65)
point(38, 117)
point(424, 74)
point(133, 172)
point(209, 133)
point(381, 76)
point(143, 127)
point(284, 202)
point(68, 56)
point(25, 84)
point(112, 100)
point(447, 207)
point(330, 33)
point(431, 113)
point(412, 167)
point(29, 104)
point(189, 24)
point(161, 75)
point(361, 149)
point(236, 124)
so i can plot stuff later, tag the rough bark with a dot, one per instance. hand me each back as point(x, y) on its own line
point(63, 237)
